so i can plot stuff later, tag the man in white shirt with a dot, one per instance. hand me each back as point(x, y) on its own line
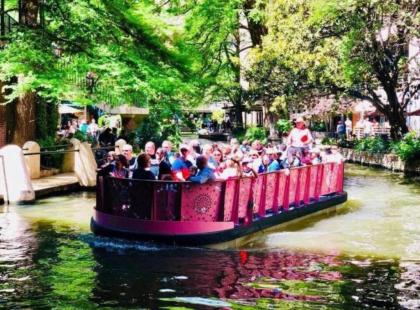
point(299, 137)
point(367, 128)
point(349, 128)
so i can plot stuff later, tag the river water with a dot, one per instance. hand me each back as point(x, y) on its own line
point(366, 255)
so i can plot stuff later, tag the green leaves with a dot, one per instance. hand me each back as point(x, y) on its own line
point(133, 51)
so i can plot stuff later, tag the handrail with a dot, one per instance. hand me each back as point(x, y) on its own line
point(50, 147)
point(50, 152)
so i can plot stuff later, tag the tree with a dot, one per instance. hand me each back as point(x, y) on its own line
point(356, 48)
point(133, 51)
point(213, 30)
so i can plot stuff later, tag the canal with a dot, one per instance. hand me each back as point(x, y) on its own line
point(366, 255)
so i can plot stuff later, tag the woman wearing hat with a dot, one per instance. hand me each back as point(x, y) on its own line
point(300, 137)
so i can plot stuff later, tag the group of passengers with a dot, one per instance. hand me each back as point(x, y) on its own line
point(218, 162)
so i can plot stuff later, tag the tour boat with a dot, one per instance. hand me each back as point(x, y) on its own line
point(201, 214)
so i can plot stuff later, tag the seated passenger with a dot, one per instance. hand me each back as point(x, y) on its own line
point(204, 173)
point(264, 164)
point(107, 164)
point(247, 170)
point(232, 170)
point(143, 164)
point(275, 164)
point(120, 169)
point(305, 159)
point(180, 167)
point(315, 156)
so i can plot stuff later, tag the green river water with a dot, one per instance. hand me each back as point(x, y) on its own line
point(364, 256)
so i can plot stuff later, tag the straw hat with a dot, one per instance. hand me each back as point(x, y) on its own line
point(300, 120)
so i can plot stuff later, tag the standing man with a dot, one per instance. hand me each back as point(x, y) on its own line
point(127, 151)
point(167, 148)
point(349, 128)
point(299, 137)
point(367, 128)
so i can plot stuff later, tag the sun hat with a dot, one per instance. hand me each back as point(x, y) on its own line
point(300, 120)
point(183, 147)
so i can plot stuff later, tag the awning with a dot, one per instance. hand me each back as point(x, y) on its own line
point(364, 106)
point(66, 109)
point(123, 110)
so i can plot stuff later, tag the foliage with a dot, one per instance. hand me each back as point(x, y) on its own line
point(218, 116)
point(133, 51)
point(318, 126)
point(328, 141)
point(46, 119)
point(349, 49)
point(408, 148)
point(346, 143)
point(49, 143)
point(372, 145)
point(83, 137)
point(256, 133)
point(239, 133)
point(284, 126)
point(157, 127)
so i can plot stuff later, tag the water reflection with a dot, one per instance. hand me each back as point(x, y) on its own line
point(49, 259)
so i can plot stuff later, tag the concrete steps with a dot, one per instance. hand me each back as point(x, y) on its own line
point(59, 183)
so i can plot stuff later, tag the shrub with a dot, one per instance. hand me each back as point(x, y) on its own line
point(373, 145)
point(256, 133)
point(408, 148)
point(151, 129)
point(346, 143)
point(284, 126)
point(318, 126)
point(328, 141)
point(239, 133)
point(51, 160)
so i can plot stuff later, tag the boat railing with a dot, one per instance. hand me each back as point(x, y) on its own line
point(237, 200)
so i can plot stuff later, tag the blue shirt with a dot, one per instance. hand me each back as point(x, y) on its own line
point(180, 164)
point(204, 175)
point(274, 166)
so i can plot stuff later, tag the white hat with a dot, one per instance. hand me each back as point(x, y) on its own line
point(299, 120)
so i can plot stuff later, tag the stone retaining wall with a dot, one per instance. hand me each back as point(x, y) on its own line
point(388, 161)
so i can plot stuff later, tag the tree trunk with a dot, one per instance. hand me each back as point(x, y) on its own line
point(398, 124)
point(239, 123)
point(25, 114)
point(270, 120)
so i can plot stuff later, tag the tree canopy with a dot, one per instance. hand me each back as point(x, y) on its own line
point(176, 54)
point(353, 48)
point(133, 53)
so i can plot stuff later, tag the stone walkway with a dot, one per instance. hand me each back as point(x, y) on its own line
point(63, 182)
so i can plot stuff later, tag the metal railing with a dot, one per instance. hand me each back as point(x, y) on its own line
point(238, 200)
point(7, 23)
